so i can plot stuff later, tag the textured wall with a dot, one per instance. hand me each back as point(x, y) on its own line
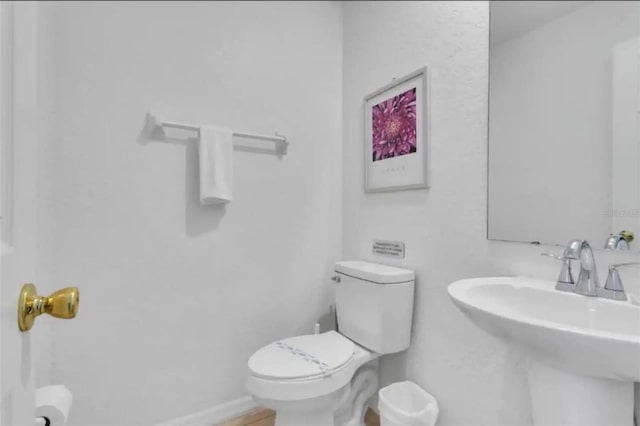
point(477, 379)
point(177, 296)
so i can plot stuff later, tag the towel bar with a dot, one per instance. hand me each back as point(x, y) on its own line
point(153, 121)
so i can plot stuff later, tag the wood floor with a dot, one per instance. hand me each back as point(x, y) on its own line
point(262, 417)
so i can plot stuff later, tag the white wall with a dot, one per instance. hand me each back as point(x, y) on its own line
point(177, 296)
point(552, 129)
point(477, 379)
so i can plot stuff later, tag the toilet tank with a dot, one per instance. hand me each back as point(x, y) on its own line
point(374, 304)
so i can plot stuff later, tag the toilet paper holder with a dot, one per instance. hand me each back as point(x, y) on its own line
point(63, 304)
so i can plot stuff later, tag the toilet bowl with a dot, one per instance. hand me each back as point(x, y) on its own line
point(308, 379)
point(327, 379)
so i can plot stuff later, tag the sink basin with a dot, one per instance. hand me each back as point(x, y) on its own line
point(584, 352)
point(587, 335)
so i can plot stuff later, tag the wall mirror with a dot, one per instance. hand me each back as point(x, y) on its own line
point(564, 130)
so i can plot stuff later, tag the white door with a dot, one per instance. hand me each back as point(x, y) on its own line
point(18, 91)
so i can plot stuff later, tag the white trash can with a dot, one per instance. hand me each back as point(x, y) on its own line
point(406, 404)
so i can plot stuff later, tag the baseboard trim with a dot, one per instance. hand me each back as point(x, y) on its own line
point(215, 415)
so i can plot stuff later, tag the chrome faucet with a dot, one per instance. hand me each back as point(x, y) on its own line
point(565, 279)
point(619, 241)
point(587, 283)
point(613, 288)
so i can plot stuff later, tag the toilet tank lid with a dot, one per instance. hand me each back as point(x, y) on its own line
point(375, 272)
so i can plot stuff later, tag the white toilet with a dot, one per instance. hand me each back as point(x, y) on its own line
point(326, 379)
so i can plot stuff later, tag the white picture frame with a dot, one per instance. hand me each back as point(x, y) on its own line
point(396, 128)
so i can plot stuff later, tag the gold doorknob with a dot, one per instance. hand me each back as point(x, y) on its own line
point(61, 304)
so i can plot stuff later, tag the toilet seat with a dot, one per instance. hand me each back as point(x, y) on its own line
point(302, 357)
point(304, 367)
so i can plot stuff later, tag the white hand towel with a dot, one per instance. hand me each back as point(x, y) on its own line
point(215, 150)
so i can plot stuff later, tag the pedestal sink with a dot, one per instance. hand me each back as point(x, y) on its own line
point(583, 352)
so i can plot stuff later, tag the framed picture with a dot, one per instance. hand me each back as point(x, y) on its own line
point(396, 152)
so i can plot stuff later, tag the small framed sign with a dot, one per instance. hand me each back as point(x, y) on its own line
point(388, 248)
point(397, 135)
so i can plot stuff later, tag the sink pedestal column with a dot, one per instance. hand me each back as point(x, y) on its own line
point(560, 398)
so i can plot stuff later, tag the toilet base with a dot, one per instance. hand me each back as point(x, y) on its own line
point(309, 418)
point(353, 408)
point(311, 412)
point(345, 407)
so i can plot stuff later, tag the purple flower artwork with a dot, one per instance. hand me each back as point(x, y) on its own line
point(394, 126)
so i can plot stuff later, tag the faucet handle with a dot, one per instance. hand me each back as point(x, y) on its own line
point(623, 265)
point(613, 288)
point(557, 257)
point(565, 279)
